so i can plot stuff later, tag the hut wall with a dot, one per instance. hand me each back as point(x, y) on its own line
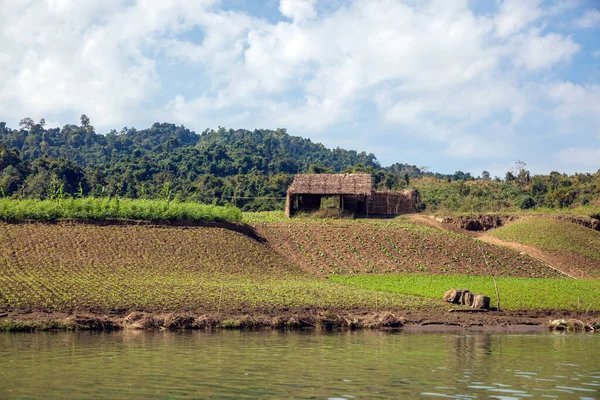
point(392, 203)
point(290, 209)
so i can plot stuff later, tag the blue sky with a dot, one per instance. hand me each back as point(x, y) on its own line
point(467, 85)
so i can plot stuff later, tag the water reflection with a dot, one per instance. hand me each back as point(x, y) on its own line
point(138, 364)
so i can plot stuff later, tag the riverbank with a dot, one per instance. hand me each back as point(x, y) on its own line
point(518, 321)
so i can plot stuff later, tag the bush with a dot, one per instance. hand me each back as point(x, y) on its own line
point(526, 202)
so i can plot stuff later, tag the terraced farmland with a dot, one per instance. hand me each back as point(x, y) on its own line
point(71, 266)
point(367, 246)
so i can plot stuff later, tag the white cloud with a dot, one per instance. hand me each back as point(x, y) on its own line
point(582, 157)
point(298, 10)
point(514, 15)
point(431, 70)
point(575, 100)
point(590, 19)
point(76, 57)
point(537, 52)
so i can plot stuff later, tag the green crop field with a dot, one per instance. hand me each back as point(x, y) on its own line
point(515, 293)
point(91, 208)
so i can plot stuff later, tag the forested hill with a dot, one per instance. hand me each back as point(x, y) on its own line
point(248, 168)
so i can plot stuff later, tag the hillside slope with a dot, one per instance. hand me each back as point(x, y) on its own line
point(393, 246)
point(121, 268)
point(563, 244)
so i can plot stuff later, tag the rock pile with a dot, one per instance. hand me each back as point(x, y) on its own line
point(464, 297)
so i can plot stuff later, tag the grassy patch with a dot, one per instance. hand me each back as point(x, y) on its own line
point(113, 209)
point(552, 235)
point(515, 293)
point(264, 216)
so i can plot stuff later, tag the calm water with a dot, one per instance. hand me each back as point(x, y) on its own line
point(299, 365)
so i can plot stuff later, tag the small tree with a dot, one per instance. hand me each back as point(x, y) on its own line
point(520, 173)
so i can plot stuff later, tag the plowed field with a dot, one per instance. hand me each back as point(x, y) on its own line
point(358, 247)
point(71, 266)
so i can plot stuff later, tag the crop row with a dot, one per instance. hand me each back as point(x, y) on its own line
point(72, 266)
point(113, 209)
point(338, 248)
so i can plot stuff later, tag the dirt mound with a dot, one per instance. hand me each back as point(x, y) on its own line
point(590, 222)
point(486, 222)
point(482, 222)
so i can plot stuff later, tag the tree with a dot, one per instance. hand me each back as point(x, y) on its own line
point(485, 175)
point(26, 124)
point(319, 169)
point(85, 121)
point(519, 172)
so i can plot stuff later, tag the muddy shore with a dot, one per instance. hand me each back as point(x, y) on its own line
point(491, 321)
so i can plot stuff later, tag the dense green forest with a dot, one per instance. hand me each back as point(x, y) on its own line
point(250, 169)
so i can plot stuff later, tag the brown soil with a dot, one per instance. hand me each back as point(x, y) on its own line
point(591, 223)
point(436, 222)
point(105, 248)
point(476, 223)
point(325, 248)
point(486, 222)
point(299, 319)
point(574, 265)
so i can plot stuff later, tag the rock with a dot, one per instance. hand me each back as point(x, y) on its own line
point(481, 302)
point(464, 297)
point(453, 296)
point(467, 298)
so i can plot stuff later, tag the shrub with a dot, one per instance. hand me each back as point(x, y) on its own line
point(526, 202)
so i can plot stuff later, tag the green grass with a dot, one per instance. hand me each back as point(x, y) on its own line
point(264, 216)
point(515, 293)
point(552, 235)
point(113, 209)
point(159, 291)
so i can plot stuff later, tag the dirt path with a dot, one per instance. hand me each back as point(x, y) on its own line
point(560, 262)
point(556, 262)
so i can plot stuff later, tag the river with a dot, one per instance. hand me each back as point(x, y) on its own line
point(273, 364)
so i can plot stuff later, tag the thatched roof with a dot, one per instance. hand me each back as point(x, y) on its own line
point(332, 184)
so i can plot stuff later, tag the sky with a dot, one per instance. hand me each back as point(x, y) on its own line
point(467, 85)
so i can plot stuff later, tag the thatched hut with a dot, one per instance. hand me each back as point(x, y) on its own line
point(355, 193)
